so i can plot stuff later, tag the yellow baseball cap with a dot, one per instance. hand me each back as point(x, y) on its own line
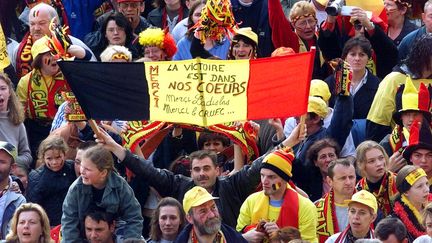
point(366, 198)
point(40, 46)
point(317, 106)
point(319, 88)
point(195, 197)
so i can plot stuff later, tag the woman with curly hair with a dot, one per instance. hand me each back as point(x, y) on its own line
point(29, 224)
point(413, 187)
point(11, 121)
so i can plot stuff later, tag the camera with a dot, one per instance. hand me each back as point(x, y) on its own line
point(334, 7)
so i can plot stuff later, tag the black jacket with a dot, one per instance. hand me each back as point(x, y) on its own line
point(48, 189)
point(231, 190)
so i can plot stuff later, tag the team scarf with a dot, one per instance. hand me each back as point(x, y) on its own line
point(347, 237)
point(327, 220)
point(43, 100)
point(24, 57)
point(219, 238)
point(165, 16)
point(288, 215)
point(398, 136)
point(242, 134)
point(409, 216)
point(385, 194)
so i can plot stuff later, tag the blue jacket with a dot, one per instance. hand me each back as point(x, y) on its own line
point(12, 201)
point(231, 236)
point(408, 41)
point(118, 199)
point(49, 195)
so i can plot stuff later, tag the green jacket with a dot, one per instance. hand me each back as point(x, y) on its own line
point(118, 199)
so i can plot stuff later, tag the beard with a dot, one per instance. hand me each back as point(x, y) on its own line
point(210, 227)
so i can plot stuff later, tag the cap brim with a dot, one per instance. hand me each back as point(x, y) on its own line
point(355, 201)
point(202, 201)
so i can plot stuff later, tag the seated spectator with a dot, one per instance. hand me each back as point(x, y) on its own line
point(337, 30)
point(332, 209)
point(167, 13)
point(407, 43)
point(362, 211)
point(167, 222)
point(116, 30)
point(418, 67)
point(10, 199)
point(278, 204)
point(116, 53)
point(205, 223)
point(158, 45)
point(40, 17)
point(214, 48)
point(12, 128)
point(320, 89)
point(320, 155)
point(399, 24)
point(372, 162)
point(52, 167)
point(413, 188)
point(419, 149)
point(99, 227)
point(22, 172)
point(181, 29)
point(356, 52)
point(30, 223)
point(100, 187)
point(411, 105)
point(427, 223)
point(391, 230)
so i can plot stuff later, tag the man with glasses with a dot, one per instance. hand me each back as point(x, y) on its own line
point(132, 10)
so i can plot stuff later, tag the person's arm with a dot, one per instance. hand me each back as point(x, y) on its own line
point(341, 122)
point(329, 40)
point(70, 225)
point(385, 50)
point(24, 153)
point(164, 181)
point(283, 34)
point(33, 190)
point(131, 213)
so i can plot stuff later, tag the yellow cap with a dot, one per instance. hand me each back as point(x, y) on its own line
point(196, 197)
point(247, 31)
point(366, 198)
point(319, 88)
point(40, 46)
point(317, 106)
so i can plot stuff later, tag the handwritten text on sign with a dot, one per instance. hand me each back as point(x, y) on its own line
point(198, 91)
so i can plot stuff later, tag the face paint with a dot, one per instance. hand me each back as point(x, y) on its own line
point(36, 13)
point(276, 186)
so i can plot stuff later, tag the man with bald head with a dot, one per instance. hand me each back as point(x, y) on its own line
point(40, 17)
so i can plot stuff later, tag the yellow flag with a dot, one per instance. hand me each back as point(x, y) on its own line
point(198, 91)
point(375, 6)
point(4, 60)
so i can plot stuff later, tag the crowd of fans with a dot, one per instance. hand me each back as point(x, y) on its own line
point(357, 167)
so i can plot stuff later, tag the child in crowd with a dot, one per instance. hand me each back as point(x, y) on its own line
point(49, 183)
point(427, 223)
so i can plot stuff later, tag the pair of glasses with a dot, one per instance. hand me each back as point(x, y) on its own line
point(302, 24)
point(127, 5)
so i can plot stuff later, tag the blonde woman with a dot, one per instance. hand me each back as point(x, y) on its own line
point(372, 162)
point(29, 224)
